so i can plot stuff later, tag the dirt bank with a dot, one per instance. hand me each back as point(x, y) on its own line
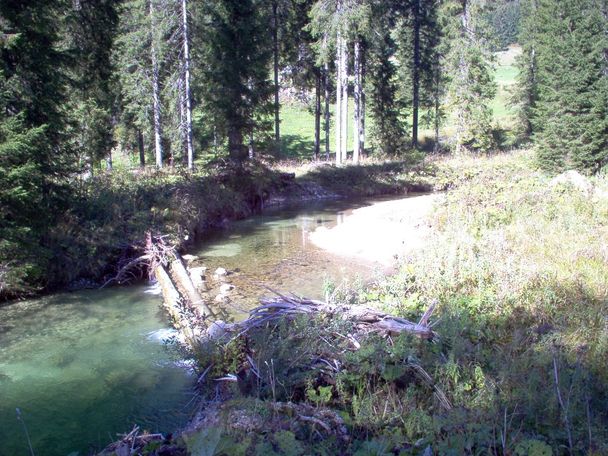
point(380, 233)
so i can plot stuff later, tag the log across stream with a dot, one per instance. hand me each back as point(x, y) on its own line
point(85, 365)
point(187, 285)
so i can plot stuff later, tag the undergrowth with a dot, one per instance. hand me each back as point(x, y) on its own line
point(105, 219)
point(518, 267)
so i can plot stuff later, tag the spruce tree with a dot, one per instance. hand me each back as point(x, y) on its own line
point(388, 132)
point(418, 37)
point(471, 85)
point(89, 37)
point(504, 20)
point(235, 59)
point(131, 58)
point(525, 93)
point(570, 116)
point(35, 157)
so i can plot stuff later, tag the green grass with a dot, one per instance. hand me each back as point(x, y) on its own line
point(298, 131)
point(297, 122)
point(518, 268)
point(505, 76)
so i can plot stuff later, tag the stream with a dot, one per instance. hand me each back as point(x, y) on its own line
point(84, 366)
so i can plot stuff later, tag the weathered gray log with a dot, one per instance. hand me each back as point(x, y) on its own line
point(183, 319)
point(182, 279)
point(273, 308)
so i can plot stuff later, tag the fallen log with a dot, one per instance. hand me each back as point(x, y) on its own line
point(194, 317)
point(182, 279)
point(366, 319)
point(181, 300)
point(182, 316)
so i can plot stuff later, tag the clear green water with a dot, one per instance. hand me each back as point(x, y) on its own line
point(85, 366)
point(273, 250)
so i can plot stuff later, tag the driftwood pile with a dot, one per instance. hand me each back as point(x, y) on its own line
point(135, 441)
point(364, 318)
point(183, 290)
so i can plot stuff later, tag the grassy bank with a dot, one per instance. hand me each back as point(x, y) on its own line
point(109, 214)
point(518, 268)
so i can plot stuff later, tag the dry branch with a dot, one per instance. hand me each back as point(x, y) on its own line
point(365, 318)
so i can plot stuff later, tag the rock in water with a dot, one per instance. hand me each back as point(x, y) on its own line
point(198, 277)
point(220, 274)
point(189, 259)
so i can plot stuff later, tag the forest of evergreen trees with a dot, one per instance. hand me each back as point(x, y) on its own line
point(172, 82)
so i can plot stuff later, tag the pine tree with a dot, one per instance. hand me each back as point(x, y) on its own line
point(503, 17)
point(89, 37)
point(300, 66)
point(132, 60)
point(525, 94)
point(234, 62)
point(471, 86)
point(418, 36)
point(388, 132)
point(35, 157)
point(570, 117)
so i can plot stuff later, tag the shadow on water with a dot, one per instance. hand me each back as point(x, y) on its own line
point(82, 367)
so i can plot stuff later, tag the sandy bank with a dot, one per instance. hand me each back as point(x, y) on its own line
point(382, 232)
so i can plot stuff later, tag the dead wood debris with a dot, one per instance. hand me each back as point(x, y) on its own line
point(366, 319)
point(135, 442)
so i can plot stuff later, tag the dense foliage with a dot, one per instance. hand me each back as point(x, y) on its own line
point(504, 17)
point(518, 271)
point(91, 91)
point(90, 86)
point(564, 82)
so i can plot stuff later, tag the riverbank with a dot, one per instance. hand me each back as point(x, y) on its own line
point(383, 233)
point(516, 267)
point(110, 213)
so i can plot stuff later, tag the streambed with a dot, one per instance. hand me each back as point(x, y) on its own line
point(84, 366)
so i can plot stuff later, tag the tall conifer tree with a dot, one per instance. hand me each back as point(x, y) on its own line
point(471, 85)
point(569, 118)
point(235, 59)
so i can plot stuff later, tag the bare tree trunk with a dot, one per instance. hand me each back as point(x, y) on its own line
point(338, 123)
point(463, 71)
point(188, 94)
point(436, 95)
point(142, 152)
point(275, 47)
point(250, 148)
point(357, 98)
point(158, 143)
point(362, 113)
point(182, 116)
point(327, 126)
point(416, 72)
point(236, 148)
point(344, 99)
point(318, 116)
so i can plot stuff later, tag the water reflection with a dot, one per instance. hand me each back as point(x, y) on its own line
point(274, 250)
